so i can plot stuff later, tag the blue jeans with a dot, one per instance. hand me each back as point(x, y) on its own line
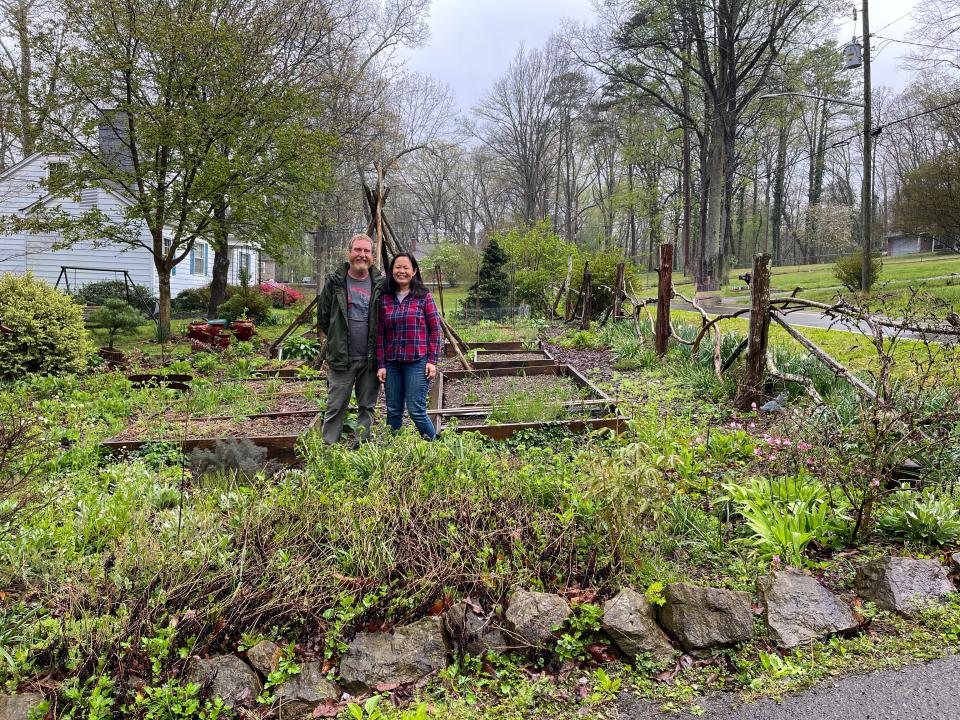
point(407, 384)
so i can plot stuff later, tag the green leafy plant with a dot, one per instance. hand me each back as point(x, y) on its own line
point(173, 701)
point(605, 688)
point(286, 669)
point(300, 348)
point(48, 333)
point(578, 631)
point(115, 317)
point(654, 593)
point(370, 710)
point(924, 516)
point(90, 700)
point(785, 515)
point(581, 340)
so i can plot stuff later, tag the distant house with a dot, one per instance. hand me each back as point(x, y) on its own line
point(901, 243)
point(22, 191)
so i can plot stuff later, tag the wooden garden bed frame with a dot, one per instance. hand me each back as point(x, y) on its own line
point(483, 364)
point(502, 431)
point(448, 350)
point(279, 447)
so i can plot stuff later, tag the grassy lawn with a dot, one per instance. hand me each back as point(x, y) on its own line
point(932, 272)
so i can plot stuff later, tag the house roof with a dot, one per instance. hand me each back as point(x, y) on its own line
point(13, 169)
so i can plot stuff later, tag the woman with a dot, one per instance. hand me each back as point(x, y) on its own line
point(408, 344)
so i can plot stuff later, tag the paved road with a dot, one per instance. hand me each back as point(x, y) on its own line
point(814, 319)
point(916, 692)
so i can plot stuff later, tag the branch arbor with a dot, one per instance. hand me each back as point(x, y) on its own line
point(183, 114)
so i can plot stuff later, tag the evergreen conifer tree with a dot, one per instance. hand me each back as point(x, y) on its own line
point(492, 285)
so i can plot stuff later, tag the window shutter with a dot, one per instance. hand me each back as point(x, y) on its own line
point(193, 251)
point(206, 259)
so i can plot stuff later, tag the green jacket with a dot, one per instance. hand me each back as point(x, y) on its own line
point(332, 317)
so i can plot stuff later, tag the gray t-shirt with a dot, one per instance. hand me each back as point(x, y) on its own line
point(358, 315)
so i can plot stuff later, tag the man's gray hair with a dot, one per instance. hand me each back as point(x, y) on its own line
point(359, 236)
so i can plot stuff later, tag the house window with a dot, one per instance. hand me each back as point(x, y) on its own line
point(243, 261)
point(57, 175)
point(200, 259)
point(167, 245)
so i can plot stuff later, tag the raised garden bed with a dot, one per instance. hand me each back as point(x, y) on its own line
point(498, 402)
point(277, 432)
point(486, 359)
point(491, 346)
point(289, 370)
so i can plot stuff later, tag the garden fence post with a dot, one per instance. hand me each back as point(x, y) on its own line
point(751, 388)
point(664, 296)
point(587, 298)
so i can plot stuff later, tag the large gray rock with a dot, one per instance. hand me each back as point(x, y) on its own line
point(799, 609)
point(955, 562)
point(265, 656)
point(403, 656)
point(227, 677)
point(902, 584)
point(305, 691)
point(532, 616)
point(22, 706)
point(630, 621)
point(471, 633)
point(704, 617)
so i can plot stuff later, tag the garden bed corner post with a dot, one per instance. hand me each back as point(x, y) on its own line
point(751, 388)
point(664, 296)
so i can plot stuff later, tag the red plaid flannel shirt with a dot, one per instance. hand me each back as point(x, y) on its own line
point(408, 330)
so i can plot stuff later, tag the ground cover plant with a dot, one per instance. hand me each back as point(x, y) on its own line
point(125, 568)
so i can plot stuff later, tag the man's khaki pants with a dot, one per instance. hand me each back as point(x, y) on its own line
point(340, 386)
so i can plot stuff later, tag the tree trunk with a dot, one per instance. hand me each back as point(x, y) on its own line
point(163, 275)
point(664, 293)
point(778, 188)
point(221, 259)
point(711, 251)
point(751, 388)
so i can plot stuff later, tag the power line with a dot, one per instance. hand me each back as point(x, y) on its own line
point(874, 33)
point(908, 42)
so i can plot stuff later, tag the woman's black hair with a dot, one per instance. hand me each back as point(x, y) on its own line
point(417, 288)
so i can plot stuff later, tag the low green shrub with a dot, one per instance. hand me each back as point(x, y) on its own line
point(848, 270)
point(97, 293)
point(48, 333)
point(115, 317)
point(247, 303)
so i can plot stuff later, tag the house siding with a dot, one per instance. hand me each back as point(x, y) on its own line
point(21, 186)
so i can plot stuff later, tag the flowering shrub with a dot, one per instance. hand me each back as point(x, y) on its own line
point(281, 295)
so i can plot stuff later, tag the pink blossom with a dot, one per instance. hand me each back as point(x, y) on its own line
point(757, 451)
point(698, 440)
point(810, 462)
point(753, 406)
point(803, 446)
point(875, 482)
point(752, 425)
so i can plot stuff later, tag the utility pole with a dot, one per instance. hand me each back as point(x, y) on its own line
point(867, 188)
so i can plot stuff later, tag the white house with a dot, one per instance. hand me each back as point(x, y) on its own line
point(21, 190)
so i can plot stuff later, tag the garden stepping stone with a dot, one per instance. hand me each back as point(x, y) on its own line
point(902, 584)
point(630, 621)
point(800, 609)
point(390, 659)
point(704, 617)
point(265, 656)
point(305, 691)
point(470, 632)
point(532, 616)
point(19, 706)
point(227, 677)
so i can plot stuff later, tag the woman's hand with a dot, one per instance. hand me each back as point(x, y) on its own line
point(382, 375)
point(431, 371)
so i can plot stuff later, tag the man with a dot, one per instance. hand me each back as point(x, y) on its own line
point(348, 317)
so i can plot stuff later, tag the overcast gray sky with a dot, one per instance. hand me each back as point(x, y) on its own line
point(473, 41)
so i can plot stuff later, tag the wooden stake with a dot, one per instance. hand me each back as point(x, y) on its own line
point(618, 292)
point(587, 299)
point(564, 291)
point(750, 392)
point(439, 274)
point(454, 338)
point(664, 296)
